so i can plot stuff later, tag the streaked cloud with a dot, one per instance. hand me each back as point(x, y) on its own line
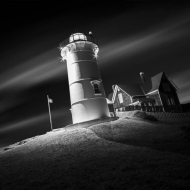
point(9, 103)
point(47, 66)
point(182, 80)
point(34, 71)
point(31, 121)
point(133, 45)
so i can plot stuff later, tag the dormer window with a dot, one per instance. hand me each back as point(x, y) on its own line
point(96, 87)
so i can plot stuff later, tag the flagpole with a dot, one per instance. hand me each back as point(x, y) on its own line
point(49, 113)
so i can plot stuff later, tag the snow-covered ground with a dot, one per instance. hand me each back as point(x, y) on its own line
point(127, 153)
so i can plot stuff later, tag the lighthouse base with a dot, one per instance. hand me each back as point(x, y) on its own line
point(92, 122)
point(89, 109)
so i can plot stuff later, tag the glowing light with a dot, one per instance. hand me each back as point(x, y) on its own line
point(80, 40)
point(61, 59)
point(95, 50)
point(64, 53)
point(77, 36)
point(32, 72)
point(60, 48)
point(96, 56)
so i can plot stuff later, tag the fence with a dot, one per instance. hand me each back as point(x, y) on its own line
point(142, 108)
point(163, 116)
point(175, 108)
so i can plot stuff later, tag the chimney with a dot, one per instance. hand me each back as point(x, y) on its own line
point(143, 79)
point(113, 87)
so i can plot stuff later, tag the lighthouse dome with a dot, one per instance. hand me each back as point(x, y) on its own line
point(77, 36)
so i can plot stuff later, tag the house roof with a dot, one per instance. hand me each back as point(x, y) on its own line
point(152, 84)
point(156, 81)
point(109, 101)
point(110, 96)
point(146, 100)
point(131, 89)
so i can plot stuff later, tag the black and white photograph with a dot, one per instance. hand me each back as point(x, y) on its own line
point(94, 95)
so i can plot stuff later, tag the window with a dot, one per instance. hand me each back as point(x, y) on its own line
point(96, 87)
point(168, 101)
point(172, 101)
point(77, 36)
point(120, 98)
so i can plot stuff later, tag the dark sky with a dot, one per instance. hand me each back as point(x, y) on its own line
point(133, 37)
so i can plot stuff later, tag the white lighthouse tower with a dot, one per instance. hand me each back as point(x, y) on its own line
point(88, 100)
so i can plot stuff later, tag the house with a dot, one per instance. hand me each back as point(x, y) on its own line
point(158, 92)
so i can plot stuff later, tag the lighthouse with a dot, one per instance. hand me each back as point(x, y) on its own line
point(87, 96)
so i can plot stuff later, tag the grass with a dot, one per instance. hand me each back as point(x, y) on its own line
point(154, 135)
point(125, 154)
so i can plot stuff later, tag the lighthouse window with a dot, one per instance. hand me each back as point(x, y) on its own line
point(71, 39)
point(77, 36)
point(82, 37)
point(96, 87)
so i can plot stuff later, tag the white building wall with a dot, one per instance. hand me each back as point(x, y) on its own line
point(82, 70)
point(89, 109)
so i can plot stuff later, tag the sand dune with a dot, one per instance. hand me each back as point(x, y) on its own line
point(124, 154)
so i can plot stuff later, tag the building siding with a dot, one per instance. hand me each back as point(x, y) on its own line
point(168, 95)
point(156, 96)
point(126, 100)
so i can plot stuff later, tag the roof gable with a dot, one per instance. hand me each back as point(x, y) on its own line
point(154, 83)
point(131, 89)
point(171, 82)
point(109, 101)
point(116, 88)
point(149, 86)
